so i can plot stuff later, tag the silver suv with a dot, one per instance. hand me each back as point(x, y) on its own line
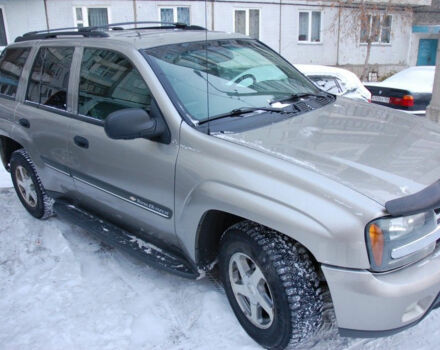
point(197, 150)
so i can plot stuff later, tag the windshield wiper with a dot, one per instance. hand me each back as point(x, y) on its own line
point(240, 111)
point(294, 97)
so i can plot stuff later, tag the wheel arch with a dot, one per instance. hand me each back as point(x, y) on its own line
point(211, 228)
point(214, 207)
point(7, 147)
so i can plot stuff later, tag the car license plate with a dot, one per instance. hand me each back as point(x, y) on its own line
point(380, 99)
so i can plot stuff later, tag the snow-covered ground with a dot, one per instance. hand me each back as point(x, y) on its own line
point(5, 177)
point(62, 289)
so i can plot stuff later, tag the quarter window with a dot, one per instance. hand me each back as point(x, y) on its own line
point(247, 22)
point(175, 14)
point(49, 77)
point(309, 26)
point(109, 82)
point(11, 65)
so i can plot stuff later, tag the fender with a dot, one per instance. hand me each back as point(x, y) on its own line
point(326, 246)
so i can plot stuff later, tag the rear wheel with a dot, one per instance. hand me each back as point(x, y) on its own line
point(28, 185)
point(272, 285)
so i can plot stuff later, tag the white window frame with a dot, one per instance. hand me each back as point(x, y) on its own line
point(379, 43)
point(85, 14)
point(247, 9)
point(309, 29)
point(6, 26)
point(174, 8)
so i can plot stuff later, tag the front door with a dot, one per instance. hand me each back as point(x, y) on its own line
point(427, 52)
point(129, 182)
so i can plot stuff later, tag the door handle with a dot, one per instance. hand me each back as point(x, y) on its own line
point(24, 123)
point(81, 142)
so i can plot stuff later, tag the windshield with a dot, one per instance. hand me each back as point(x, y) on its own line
point(214, 77)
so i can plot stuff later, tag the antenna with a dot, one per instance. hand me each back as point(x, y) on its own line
point(206, 63)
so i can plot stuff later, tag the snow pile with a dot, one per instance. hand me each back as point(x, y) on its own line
point(61, 289)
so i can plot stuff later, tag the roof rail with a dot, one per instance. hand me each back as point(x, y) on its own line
point(97, 31)
point(157, 25)
point(54, 33)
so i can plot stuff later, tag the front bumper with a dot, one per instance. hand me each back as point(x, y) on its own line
point(371, 305)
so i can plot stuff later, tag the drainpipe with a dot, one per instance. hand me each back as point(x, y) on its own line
point(212, 15)
point(135, 17)
point(45, 12)
point(433, 111)
point(339, 35)
point(280, 31)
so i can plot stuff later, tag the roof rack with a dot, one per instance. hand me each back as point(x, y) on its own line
point(157, 25)
point(98, 31)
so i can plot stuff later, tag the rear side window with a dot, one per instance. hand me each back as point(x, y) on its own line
point(49, 77)
point(11, 65)
point(109, 82)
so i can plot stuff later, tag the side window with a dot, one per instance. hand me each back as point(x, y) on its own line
point(33, 91)
point(50, 77)
point(109, 82)
point(11, 65)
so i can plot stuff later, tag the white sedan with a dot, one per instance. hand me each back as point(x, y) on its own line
point(337, 81)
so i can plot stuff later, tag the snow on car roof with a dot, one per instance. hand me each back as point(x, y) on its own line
point(414, 79)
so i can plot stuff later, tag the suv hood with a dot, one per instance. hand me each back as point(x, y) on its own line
point(377, 151)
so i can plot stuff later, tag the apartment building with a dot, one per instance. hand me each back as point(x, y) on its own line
point(325, 32)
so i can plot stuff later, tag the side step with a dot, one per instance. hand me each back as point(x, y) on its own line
point(119, 238)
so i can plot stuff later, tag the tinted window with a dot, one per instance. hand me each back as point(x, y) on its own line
point(33, 93)
point(11, 65)
point(50, 77)
point(109, 82)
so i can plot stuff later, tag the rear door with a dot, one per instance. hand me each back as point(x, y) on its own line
point(129, 182)
point(12, 61)
point(43, 116)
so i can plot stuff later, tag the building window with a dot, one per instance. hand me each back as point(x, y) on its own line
point(309, 26)
point(376, 29)
point(91, 16)
point(3, 38)
point(174, 14)
point(247, 22)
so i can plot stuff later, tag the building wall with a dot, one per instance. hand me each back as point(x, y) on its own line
point(429, 15)
point(22, 16)
point(61, 13)
point(26, 15)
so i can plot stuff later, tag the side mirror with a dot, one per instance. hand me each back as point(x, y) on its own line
point(132, 123)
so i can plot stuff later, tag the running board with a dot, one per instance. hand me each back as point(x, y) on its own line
point(119, 238)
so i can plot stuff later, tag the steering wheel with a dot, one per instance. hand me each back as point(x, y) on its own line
point(244, 77)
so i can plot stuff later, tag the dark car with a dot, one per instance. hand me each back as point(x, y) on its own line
point(409, 90)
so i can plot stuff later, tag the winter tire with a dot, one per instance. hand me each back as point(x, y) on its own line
point(28, 186)
point(272, 285)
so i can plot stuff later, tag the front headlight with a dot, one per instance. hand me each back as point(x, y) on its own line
point(395, 242)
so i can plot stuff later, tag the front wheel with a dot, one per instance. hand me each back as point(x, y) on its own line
point(272, 285)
